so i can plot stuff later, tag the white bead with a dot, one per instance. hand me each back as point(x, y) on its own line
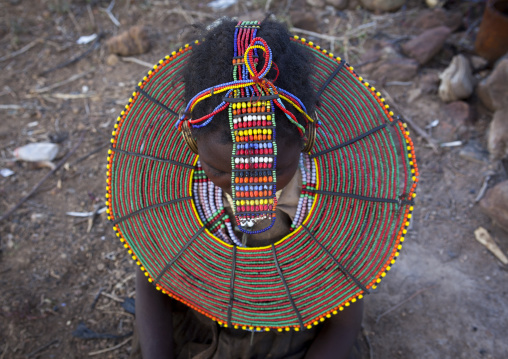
point(237, 160)
point(263, 117)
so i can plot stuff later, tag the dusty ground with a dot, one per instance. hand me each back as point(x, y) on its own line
point(446, 298)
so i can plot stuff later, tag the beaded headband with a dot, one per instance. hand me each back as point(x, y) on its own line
point(358, 199)
point(250, 99)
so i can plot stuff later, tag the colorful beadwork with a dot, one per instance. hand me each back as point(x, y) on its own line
point(250, 99)
point(209, 201)
point(360, 192)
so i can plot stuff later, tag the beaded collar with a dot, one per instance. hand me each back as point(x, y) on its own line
point(361, 205)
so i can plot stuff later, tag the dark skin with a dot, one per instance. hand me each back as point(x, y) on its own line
point(154, 309)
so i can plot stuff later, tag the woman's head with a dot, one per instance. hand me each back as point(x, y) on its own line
point(211, 64)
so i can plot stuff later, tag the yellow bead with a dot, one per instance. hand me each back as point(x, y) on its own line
point(303, 39)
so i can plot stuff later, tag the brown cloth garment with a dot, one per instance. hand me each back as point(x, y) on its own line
point(198, 337)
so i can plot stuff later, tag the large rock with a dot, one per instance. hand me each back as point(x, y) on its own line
point(495, 204)
point(382, 5)
point(135, 41)
point(429, 19)
point(498, 135)
point(425, 46)
point(457, 81)
point(493, 90)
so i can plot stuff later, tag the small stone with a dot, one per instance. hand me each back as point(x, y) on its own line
point(100, 266)
point(382, 5)
point(425, 46)
point(10, 242)
point(478, 62)
point(38, 217)
point(429, 19)
point(304, 20)
point(498, 135)
point(112, 60)
point(493, 90)
point(135, 41)
point(338, 4)
point(495, 204)
point(457, 81)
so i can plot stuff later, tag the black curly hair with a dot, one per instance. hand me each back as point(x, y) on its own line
point(210, 64)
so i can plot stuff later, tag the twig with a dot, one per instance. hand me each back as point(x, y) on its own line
point(75, 59)
point(404, 301)
point(61, 83)
point(20, 51)
point(91, 219)
point(90, 14)
point(73, 96)
point(482, 189)
point(114, 297)
point(96, 298)
point(36, 187)
point(10, 107)
point(73, 19)
point(86, 214)
point(185, 14)
point(110, 348)
point(267, 5)
point(397, 83)
point(485, 238)
point(417, 128)
point(137, 61)
point(110, 14)
point(45, 346)
point(371, 353)
point(315, 34)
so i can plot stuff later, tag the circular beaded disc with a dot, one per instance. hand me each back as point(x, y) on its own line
point(366, 180)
